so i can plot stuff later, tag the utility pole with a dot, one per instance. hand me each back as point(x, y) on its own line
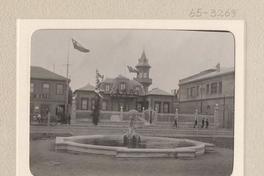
point(67, 86)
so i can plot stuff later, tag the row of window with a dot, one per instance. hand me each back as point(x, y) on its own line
point(213, 88)
point(143, 75)
point(46, 88)
point(158, 107)
point(121, 87)
point(166, 107)
point(85, 104)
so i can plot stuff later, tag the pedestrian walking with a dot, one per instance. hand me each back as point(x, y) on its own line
point(195, 118)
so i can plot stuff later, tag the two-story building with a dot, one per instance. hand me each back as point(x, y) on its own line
point(48, 93)
point(204, 90)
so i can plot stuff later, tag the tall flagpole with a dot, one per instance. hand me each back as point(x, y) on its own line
point(67, 85)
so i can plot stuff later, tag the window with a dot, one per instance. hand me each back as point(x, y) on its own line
point(84, 104)
point(140, 75)
point(32, 87)
point(220, 87)
point(213, 88)
point(122, 86)
point(139, 107)
point(207, 88)
point(93, 104)
point(59, 89)
point(104, 105)
point(107, 87)
point(197, 90)
point(188, 92)
point(193, 92)
point(157, 107)
point(145, 75)
point(166, 107)
point(45, 87)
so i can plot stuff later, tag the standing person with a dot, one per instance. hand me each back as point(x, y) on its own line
point(38, 118)
point(176, 118)
point(195, 118)
point(206, 123)
point(203, 123)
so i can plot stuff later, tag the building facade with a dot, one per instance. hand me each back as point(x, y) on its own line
point(48, 94)
point(127, 94)
point(207, 89)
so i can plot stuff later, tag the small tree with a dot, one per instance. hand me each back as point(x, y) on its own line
point(96, 111)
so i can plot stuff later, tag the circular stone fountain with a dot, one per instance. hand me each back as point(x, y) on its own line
point(132, 145)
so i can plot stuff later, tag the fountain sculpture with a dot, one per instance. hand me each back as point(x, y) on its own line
point(131, 138)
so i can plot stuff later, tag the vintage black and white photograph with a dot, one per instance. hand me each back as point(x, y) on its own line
point(132, 102)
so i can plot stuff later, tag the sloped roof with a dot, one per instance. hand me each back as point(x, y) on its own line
point(108, 80)
point(37, 72)
point(121, 77)
point(157, 91)
point(115, 83)
point(87, 87)
point(207, 74)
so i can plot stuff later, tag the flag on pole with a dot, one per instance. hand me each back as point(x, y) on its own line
point(79, 47)
point(131, 69)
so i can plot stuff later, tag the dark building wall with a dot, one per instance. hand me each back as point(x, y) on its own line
point(90, 96)
point(114, 103)
point(47, 100)
point(162, 100)
point(225, 112)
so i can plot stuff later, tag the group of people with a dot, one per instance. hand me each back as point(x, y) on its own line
point(205, 121)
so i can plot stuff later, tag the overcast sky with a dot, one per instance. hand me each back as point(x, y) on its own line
point(172, 54)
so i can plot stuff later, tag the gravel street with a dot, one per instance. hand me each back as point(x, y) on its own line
point(44, 161)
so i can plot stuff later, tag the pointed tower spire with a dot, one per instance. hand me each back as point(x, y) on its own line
point(143, 61)
point(143, 68)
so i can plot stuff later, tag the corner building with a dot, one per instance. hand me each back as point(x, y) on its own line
point(202, 91)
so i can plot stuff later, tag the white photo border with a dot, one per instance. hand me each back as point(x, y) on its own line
point(26, 28)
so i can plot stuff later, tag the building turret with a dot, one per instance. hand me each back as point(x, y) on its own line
point(143, 68)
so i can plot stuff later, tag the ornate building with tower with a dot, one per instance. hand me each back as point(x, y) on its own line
point(126, 94)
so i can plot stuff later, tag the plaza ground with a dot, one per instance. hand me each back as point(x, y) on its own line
point(44, 161)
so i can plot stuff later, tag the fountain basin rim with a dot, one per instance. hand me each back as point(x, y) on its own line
point(65, 143)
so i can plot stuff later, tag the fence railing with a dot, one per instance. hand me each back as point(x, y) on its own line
point(86, 115)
